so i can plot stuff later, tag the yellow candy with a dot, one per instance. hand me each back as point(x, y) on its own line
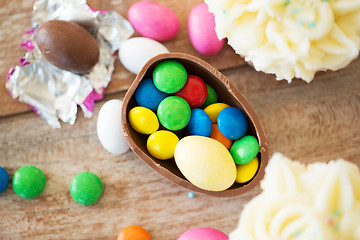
point(161, 144)
point(214, 109)
point(246, 172)
point(205, 162)
point(143, 120)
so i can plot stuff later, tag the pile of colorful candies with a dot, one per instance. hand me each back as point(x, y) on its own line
point(175, 105)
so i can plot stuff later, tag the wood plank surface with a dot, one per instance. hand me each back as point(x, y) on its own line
point(307, 122)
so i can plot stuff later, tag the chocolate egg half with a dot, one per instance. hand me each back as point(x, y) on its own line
point(68, 46)
point(227, 93)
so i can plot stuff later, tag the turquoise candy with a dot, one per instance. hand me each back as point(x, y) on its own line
point(86, 188)
point(169, 76)
point(28, 181)
point(174, 113)
point(245, 149)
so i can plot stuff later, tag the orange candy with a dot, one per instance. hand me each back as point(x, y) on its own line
point(217, 135)
point(133, 233)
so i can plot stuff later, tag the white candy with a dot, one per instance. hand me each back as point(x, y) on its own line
point(109, 129)
point(135, 52)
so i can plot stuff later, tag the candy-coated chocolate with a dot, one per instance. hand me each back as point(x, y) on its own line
point(109, 130)
point(86, 188)
point(203, 233)
point(201, 28)
point(143, 120)
point(135, 52)
point(217, 135)
point(161, 144)
point(68, 46)
point(174, 113)
point(147, 95)
point(245, 172)
point(4, 179)
point(205, 162)
point(153, 20)
point(169, 76)
point(214, 109)
point(194, 91)
point(133, 232)
point(28, 181)
point(211, 97)
point(245, 149)
point(200, 123)
point(232, 123)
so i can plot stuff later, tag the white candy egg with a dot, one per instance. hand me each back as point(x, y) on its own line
point(109, 129)
point(135, 52)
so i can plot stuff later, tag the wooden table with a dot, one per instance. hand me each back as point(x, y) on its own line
point(307, 122)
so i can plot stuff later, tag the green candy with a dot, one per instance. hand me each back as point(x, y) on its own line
point(174, 113)
point(211, 97)
point(244, 150)
point(28, 181)
point(86, 188)
point(169, 76)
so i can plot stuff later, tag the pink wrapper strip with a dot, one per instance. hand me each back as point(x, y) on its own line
point(91, 98)
point(94, 10)
point(27, 44)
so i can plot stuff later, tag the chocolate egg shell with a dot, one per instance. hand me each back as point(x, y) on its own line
point(68, 46)
point(227, 93)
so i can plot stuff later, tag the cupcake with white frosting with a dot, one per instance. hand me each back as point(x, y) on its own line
point(320, 201)
point(290, 38)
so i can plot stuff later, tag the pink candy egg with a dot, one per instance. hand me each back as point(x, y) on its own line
point(201, 26)
point(153, 20)
point(204, 234)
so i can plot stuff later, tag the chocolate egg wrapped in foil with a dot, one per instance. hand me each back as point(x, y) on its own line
point(52, 92)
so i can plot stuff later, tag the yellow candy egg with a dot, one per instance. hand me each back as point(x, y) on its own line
point(245, 172)
point(161, 144)
point(143, 120)
point(205, 162)
point(214, 109)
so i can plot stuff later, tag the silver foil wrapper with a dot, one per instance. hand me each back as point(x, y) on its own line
point(54, 93)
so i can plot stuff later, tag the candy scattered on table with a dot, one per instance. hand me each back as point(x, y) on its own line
point(135, 52)
point(201, 28)
point(28, 181)
point(109, 129)
point(133, 232)
point(205, 153)
point(86, 188)
point(203, 233)
point(153, 20)
point(191, 195)
point(4, 179)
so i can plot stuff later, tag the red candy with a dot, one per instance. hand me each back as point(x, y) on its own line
point(194, 91)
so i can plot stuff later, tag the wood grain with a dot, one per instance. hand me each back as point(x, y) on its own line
point(307, 122)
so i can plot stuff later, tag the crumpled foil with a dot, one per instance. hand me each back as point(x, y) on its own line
point(54, 93)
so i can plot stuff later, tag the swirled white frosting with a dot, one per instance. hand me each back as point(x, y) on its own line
point(290, 38)
point(315, 202)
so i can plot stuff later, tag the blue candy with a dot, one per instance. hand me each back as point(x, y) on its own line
point(147, 95)
point(232, 123)
point(200, 123)
point(4, 179)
